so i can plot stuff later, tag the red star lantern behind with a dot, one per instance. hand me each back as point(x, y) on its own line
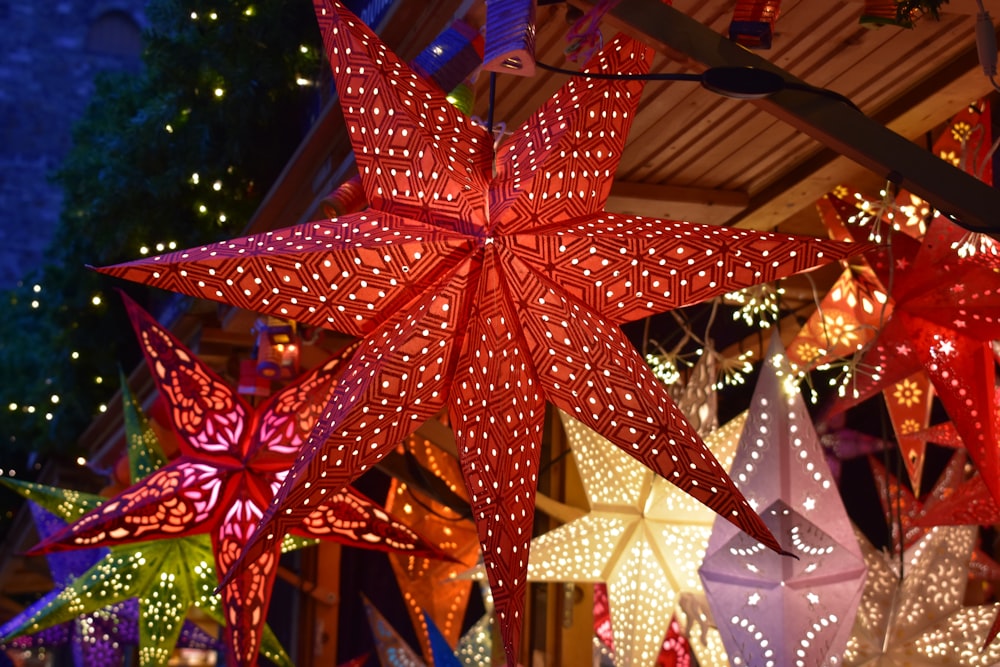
point(491, 283)
point(233, 458)
point(946, 312)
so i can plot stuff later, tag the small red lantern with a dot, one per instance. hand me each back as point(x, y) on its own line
point(753, 23)
point(277, 348)
point(883, 12)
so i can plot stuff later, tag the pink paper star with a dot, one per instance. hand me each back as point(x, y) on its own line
point(490, 282)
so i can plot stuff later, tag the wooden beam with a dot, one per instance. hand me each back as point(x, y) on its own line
point(702, 205)
point(911, 115)
point(830, 121)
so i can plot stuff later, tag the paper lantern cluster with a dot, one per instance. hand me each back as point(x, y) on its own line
point(128, 595)
point(489, 283)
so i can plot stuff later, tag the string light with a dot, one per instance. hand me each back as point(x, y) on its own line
point(733, 371)
point(664, 366)
point(975, 243)
point(758, 305)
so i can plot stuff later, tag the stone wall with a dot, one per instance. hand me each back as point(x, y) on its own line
point(49, 54)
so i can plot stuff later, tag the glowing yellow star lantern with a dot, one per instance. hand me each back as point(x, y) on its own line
point(643, 537)
point(915, 616)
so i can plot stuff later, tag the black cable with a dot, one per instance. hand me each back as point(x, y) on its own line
point(677, 76)
point(621, 77)
point(492, 103)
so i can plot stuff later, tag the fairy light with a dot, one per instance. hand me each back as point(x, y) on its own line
point(219, 92)
point(758, 305)
point(96, 300)
point(975, 243)
point(664, 367)
point(733, 371)
point(217, 186)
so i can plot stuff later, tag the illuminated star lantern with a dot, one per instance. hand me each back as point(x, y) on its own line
point(946, 312)
point(784, 611)
point(642, 536)
point(969, 504)
point(698, 399)
point(150, 585)
point(490, 282)
point(429, 585)
point(233, 458)
point(916, 616)
point(846, 319)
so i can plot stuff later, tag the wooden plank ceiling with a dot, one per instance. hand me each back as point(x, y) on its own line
point(696, 155)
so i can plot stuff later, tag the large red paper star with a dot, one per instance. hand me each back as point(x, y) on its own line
point(233, 458)
point(490, 282)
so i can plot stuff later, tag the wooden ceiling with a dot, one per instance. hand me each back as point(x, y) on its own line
point(696, 155)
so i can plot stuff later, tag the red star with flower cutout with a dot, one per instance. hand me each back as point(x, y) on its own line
point(233, 458)
point(943, 332)
point(490, 282)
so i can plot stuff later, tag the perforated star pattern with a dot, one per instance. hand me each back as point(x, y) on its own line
point(642, 536)
point(490, 282)
point(917, 617)
point(233, 457)
point(783, 611)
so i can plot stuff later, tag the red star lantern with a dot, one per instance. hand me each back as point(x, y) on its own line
point(848, 318)
point(970, 504)
point(904, 512)
point(490, 282)
point(233, 458)
point(946, 312)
